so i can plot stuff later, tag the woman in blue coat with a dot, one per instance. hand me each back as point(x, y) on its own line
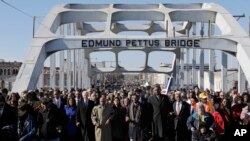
point(70, 110)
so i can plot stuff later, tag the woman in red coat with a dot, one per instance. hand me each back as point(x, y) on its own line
point(219, 121)
point(236, 110)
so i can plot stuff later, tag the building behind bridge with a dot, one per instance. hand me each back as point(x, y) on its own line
point(231, 78)
point(8, 73)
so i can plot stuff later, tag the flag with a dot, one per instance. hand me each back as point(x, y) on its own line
point(166, 87)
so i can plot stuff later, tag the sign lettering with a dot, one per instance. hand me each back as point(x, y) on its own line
point(172, 43)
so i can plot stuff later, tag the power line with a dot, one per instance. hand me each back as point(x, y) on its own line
point(21, 11)
point(34, 18)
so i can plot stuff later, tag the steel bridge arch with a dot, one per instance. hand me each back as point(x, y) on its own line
point(233, 40)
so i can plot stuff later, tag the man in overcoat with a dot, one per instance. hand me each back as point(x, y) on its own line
point(161, 109)
point(181, 113)
point(101, 116)
point(83, 117)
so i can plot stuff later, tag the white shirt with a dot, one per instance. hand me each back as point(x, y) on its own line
point(57, 102)
point(86, 102)
point(77, 100)
point(189, 101)
point(180, 105)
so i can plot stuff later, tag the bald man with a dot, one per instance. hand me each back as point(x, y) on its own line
point(181, 114)
point(83, 117)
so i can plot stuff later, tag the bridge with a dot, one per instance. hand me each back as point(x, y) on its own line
point(74, 31)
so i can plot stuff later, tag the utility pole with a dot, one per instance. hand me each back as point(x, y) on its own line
point(34, 25)
point(239, 16)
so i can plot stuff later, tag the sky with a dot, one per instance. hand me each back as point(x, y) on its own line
point(16, 28)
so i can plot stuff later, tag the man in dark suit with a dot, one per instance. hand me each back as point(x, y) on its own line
point(8, 121)
point(58, 100)
point(160, 107)
point(83, 117)
point(146, 116)
point(181, 112)
point(94, 98)
point(60, 103)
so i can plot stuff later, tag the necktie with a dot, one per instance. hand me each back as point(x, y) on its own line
point(192, 109)
point(58, 104)
point(86, 103)
point(76, 101)
point(178, 108)
point(158, 98)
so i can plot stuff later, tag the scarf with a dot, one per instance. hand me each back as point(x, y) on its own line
point(134, 114)
point(21, 123)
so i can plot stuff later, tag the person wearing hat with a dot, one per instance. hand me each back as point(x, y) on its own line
point(26, 126)
point(208, 104)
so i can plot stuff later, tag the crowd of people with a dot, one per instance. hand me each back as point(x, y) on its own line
point(131, 113)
